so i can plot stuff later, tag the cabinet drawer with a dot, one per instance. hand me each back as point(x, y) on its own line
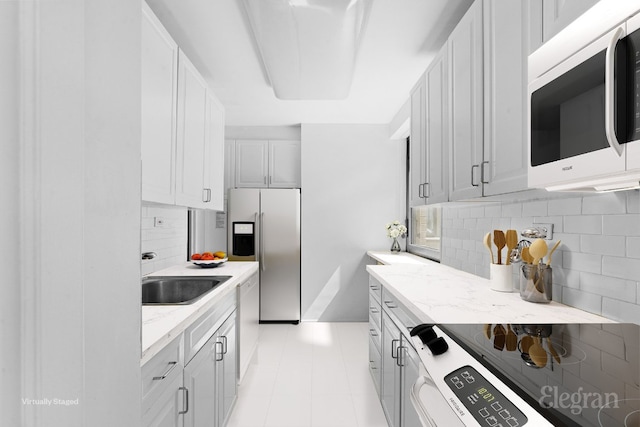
point(202, 329)
point(375, 289)
point(375, 365)
point(375, 335)
point(375, 313)
point(400, 315)
point(160, 371)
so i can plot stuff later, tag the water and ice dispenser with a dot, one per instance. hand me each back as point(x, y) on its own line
point(244, 239)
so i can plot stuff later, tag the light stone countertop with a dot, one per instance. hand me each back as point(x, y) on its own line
point(162, 323)
point(436, 293)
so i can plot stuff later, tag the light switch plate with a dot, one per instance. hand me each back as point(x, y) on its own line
point(158, 221)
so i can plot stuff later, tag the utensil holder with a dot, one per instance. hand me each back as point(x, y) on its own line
point(536, 283)
point(501, 277)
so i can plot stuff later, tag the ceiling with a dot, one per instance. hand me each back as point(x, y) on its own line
point(401, 38)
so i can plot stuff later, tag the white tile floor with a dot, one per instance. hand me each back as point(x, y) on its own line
point(309, 375)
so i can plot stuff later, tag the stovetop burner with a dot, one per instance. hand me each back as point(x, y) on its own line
point(577, 374)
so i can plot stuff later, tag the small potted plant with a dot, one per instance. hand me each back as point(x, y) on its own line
point(395, 230)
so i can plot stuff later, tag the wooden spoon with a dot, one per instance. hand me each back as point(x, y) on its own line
point(537, 353)
point(500, 241)
point(538, 250)
point(498, 337)
point(552, 350)
point(552, 250)
point(487, 243)
point(512, 242)
point(511, 340)
point(525, 344)
point(487, 331)
point(526, 256)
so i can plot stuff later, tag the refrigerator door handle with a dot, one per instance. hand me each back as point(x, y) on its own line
point(262, 264)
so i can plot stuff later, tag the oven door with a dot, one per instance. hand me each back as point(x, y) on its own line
point(573, 117)
point(431, 407)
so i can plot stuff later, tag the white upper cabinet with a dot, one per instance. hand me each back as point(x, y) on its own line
point(284, 164)
point(229, 164)
point(466, 105)
point(159, 91)
point(428, 142)
point(557, 14)
point(214, 169)
point(504, 167)
point(251, 163)
point(182, 126)
point(267, 163)
point(192, 129)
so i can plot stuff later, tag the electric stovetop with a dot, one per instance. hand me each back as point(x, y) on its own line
point(573, 374)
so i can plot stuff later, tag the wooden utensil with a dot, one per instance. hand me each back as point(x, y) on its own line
point(487, 243)
point(525, 343)
point(552, 250)
point(512, 242)
point(538, 250)
point(498, 337)
point(512, 339)
point(537, 353)
point(552, 350)
point(526, 256)
point(487, 331)
point(500, 242)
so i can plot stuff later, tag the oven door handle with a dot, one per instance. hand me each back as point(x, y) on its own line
point(609, 92)
point(423, 414)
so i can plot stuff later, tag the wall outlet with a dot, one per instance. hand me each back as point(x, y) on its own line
point(158, 221)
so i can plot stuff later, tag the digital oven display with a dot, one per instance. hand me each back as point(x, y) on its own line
point(487, 405)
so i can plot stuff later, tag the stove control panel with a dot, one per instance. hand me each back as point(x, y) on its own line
point(487, 405)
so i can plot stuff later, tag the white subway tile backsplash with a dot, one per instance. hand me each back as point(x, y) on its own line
point(571, 206)
point(583, 224)
point(596, 268)
point(168, 241)
point(603, 245)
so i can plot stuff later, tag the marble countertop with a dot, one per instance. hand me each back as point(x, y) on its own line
point(436, 293)
point(162, 323)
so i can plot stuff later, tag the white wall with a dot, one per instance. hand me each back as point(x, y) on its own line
point(79, 215)
point(352, 185)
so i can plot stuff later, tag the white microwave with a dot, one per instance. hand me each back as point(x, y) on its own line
point(584, 108)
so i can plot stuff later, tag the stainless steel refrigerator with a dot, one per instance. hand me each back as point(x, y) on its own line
point(264, 226)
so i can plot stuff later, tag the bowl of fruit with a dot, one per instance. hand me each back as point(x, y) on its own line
point(209, 259)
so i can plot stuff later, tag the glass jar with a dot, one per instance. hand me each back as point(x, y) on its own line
point(536, 283)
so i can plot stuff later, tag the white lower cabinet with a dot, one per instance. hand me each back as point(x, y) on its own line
point(193, 380)
point(393, 362)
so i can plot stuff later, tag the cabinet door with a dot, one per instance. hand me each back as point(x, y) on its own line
point(200, 380)
point(417, 168)
point(226, 369)
point(465, 112)
point(436, 189)
point(159, 89)
point(410, 362)
point(284, 164)
point(214, 152)
point(229, 165)
point(390, 371)
point(251, 163)
point(557, 14)
point(165, 412)
point(504, 168)
point(191, 140)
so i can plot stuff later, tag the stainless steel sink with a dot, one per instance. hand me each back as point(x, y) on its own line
point(170, 290)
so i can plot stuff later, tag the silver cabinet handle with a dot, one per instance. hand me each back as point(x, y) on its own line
point(472, 175)
point(373, 287)
point(374, 310)
point(172, 366)
point(420, 191)
point(392, 349)
point(224, 344)
point(206, 195)
point(264, 179)
point(390, 304)
point(373, 333)
point(221, 353)
point(609, 95)
point(372, 365)
point(482, 174)
point(427, 193)
point(185, 400)
point(399, 359)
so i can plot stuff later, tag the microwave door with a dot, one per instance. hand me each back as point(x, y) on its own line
point(567, 130)
point(633, 103)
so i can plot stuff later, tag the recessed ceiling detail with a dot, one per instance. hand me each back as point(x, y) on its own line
point(309, 47)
